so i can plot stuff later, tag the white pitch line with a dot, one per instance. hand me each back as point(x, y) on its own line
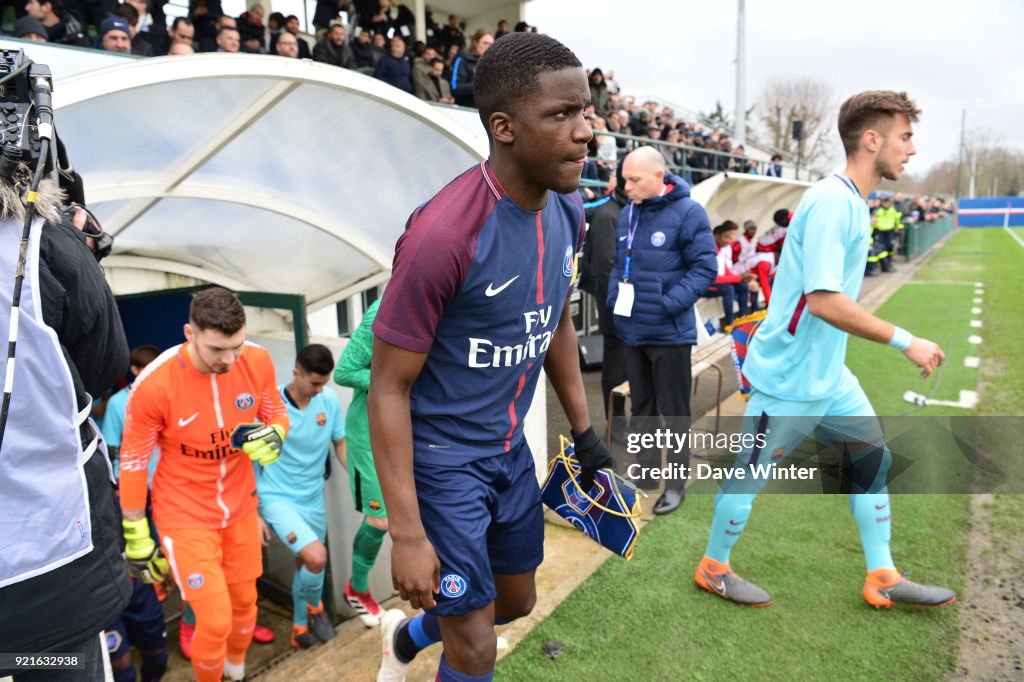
point(972, 362)
point(1014, 235)
point(968, 400)
point(976, 324)
point(979, 284)
point(979, 292)
point(975, 311)
point(977, 300)
point(976, 340)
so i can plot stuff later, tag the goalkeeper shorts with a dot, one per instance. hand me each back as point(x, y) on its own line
point(204, 561)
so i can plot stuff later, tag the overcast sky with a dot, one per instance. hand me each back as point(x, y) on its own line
point(949, 55)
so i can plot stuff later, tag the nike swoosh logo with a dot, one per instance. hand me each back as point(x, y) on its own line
point(186, 422)
point(718, 587)
point(491, 291)
point(737, 523)
point(622, 238)
point(881, 506)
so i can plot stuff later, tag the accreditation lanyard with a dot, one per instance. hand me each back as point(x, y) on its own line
point(632, 233)
point(629, 242)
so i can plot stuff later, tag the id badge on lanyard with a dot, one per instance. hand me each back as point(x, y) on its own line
point(626, 295)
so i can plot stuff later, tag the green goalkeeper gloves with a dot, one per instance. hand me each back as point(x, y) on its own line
point(262, 444)
point(145, 560)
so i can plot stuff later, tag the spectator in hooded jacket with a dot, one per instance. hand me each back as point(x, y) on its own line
point(465, 65)
point(599, 95)
point(664, 262)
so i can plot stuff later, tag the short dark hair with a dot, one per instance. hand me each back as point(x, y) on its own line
point(315, 358)
point(868, 109)
point(223, 29)
point(781, 217)
point(144, 354)
point(437, 60)
point(508, 70)
point(727, 226)
point(178, 21)
point(127, 12)
point(216, 308)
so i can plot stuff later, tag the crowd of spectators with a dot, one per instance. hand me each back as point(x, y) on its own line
point(377, 38)
point(690, 148)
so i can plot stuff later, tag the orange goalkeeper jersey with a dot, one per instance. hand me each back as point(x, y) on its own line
point(201, 481)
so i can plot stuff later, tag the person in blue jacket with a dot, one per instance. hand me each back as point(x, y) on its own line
point(664, 261)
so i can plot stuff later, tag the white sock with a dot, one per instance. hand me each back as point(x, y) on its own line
point(236, 671)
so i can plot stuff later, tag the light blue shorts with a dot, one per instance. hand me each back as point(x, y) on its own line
point(845, 420)
point(296, 522)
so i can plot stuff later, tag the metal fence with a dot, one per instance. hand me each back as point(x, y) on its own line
point(695, 164)
point(920, 236)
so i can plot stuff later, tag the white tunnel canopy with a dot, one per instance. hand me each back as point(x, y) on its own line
point(258, 173)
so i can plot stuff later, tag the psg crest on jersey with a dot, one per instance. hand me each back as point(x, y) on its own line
point(244, 401)
point(568, 262)
point(453, 585)
point(658, 238)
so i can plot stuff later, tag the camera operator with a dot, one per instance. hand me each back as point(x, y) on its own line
point(62, 575)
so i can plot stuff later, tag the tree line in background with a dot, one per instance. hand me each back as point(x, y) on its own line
point(998, 170)
point(997, 167)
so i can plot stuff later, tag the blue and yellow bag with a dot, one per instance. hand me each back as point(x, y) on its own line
point(609, 518)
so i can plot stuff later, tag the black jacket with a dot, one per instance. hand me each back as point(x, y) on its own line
point(463, 71)
point(51, 611)
point(327, 52)
point(599, 256)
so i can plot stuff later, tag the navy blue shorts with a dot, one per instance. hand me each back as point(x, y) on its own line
point(141, 624)
point(482, 517)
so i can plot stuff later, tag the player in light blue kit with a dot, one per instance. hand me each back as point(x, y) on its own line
point(796, 361)
point(292, 491)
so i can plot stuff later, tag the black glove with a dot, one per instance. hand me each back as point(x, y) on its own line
point(592, 454)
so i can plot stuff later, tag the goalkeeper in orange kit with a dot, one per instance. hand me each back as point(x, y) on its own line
point(189, 401)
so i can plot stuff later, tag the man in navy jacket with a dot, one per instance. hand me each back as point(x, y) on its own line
point(664, 261)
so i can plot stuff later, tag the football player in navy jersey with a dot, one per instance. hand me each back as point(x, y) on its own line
point(475, 308)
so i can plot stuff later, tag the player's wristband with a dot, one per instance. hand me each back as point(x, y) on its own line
point(901, 338)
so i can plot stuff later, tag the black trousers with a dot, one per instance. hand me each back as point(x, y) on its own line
point(613, 372)
point(659, 388)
